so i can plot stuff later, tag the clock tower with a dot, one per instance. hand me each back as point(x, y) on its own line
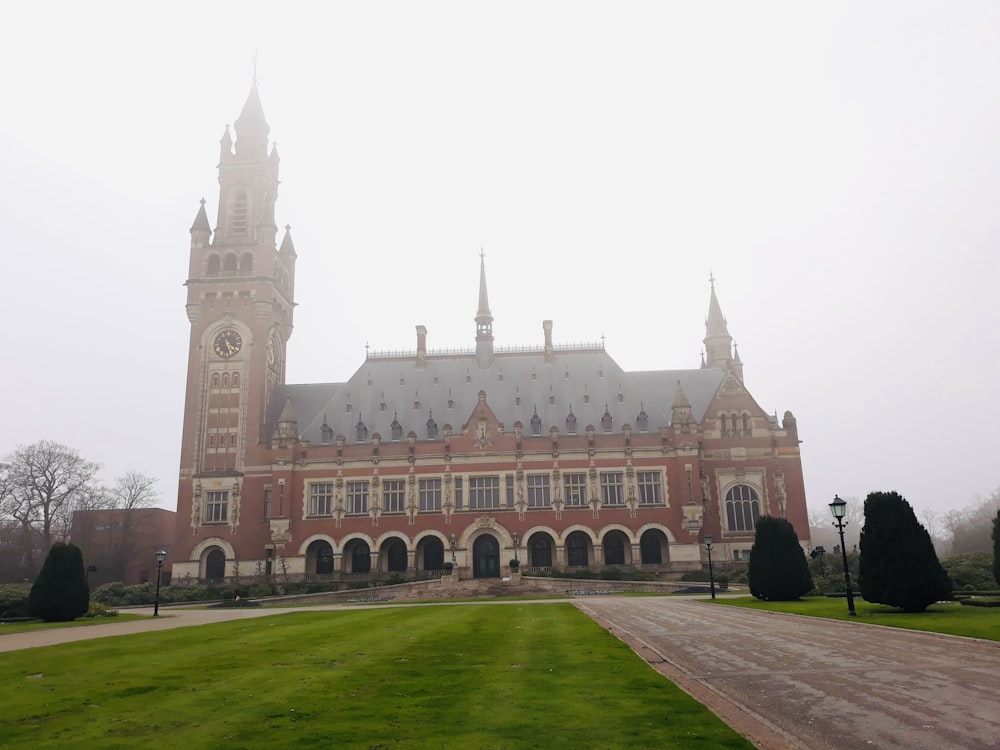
point(240, 290)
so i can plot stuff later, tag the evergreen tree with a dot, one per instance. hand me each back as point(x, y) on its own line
point(899, 566)
point(60, 593)
point(778, 570)
point(996, 548)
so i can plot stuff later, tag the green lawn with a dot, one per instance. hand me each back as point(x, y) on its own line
point(950, 618)
point(512, 676)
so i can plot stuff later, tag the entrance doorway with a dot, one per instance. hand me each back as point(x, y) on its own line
point(486, 557)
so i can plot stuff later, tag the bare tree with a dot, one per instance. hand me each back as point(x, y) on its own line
point(131, 493)
point(41, 485)
point(969, 527)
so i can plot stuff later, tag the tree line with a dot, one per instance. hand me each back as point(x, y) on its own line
point(42, 485)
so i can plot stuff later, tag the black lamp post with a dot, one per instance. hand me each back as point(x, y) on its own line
point(161, 555)
point(454, 544)
point(711, 574)
point(517, 540)
point(839, 508)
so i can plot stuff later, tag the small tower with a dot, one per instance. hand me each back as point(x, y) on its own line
point(484, 320)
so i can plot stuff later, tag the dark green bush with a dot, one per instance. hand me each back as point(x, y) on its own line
point(611, 574)
point(60, 593)
point(779, 569)
point(898, 564)
point(992, 602)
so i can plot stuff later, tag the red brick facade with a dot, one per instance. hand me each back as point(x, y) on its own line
point(551, 455)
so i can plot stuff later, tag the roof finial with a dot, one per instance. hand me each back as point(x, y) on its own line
point(482, 253)
point(255, 68)
point(711, 280)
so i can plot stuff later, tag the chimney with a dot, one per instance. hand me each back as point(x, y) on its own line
point(550, 356)
point(421, 347)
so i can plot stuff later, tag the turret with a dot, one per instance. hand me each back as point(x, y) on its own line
point(201, 230)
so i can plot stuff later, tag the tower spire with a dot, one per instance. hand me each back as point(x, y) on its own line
point(718, 342)
point(484, 319)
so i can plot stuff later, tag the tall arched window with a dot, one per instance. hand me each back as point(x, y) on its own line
point(229, 263)
point(724, 422)
point(742, 508)
point(246, 264)
point(746, 425)
point(214, 264)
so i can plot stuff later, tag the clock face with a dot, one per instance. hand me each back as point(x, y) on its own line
point(228, 344)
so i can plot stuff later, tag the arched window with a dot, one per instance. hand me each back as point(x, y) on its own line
point(746, 425)
point(214, 264)
point(361, 559)
point(215, 380)
point(742, 508)
point(541, 551)
point(225, 380)
point(576, 549)
point(724, 424)
point(236, 380)
point(246, 264)
point(614, 550)
point(396, 557)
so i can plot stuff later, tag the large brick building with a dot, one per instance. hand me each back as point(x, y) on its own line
point(550, 454)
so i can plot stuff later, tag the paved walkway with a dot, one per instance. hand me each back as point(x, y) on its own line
point(781, 680)
point(797, 682)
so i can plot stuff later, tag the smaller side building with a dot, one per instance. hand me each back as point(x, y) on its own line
point(120, 545)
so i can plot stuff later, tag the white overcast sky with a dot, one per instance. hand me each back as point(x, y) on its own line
point(835, 165)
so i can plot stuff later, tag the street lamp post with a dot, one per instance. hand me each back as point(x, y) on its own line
point(711, 574)
point(454, 544)
point(161, 555)
point(839, 508)
point(517, 540)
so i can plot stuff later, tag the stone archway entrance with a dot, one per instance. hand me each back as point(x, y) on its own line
point(486, 557)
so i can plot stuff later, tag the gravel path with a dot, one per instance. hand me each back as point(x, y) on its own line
point(787, 681)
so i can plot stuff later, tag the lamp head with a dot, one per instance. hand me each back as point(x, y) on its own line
point(708, 541)
point(161, 555)
point(838, 507)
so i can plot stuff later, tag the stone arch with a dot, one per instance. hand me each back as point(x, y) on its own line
point(617, 546)
point(317, 537)
point(213, 541)
point(654, 545)
point(319, 558)
point(579, 527)
point(393, 552)
point(356, 551)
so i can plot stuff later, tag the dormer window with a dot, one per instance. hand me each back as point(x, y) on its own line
point(536, 424)
point(432, 428)
point(571, 423)
point(326, 431)
point(397, 428)
point(642, 420)
point(361, 430)
point(606, 420)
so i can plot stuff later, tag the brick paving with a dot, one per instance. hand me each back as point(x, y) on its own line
point(787, 681)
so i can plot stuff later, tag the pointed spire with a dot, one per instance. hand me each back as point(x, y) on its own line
point(252, 128)
point(288, 248)
point(484, 319)
point(226, 146)
point(680, 409)
point(201, 220)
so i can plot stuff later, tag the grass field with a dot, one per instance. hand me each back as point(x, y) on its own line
point(511, 676)
point(950, 618)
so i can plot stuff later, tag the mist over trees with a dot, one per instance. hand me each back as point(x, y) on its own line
point(41, 486)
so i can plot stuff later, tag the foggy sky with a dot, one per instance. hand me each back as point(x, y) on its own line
point(835, 167)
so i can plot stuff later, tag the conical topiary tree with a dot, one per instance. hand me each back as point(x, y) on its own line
point(778, 569)
point(898, 564)
point(60, 593)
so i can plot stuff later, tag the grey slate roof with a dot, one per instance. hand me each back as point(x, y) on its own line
point(413, 395)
